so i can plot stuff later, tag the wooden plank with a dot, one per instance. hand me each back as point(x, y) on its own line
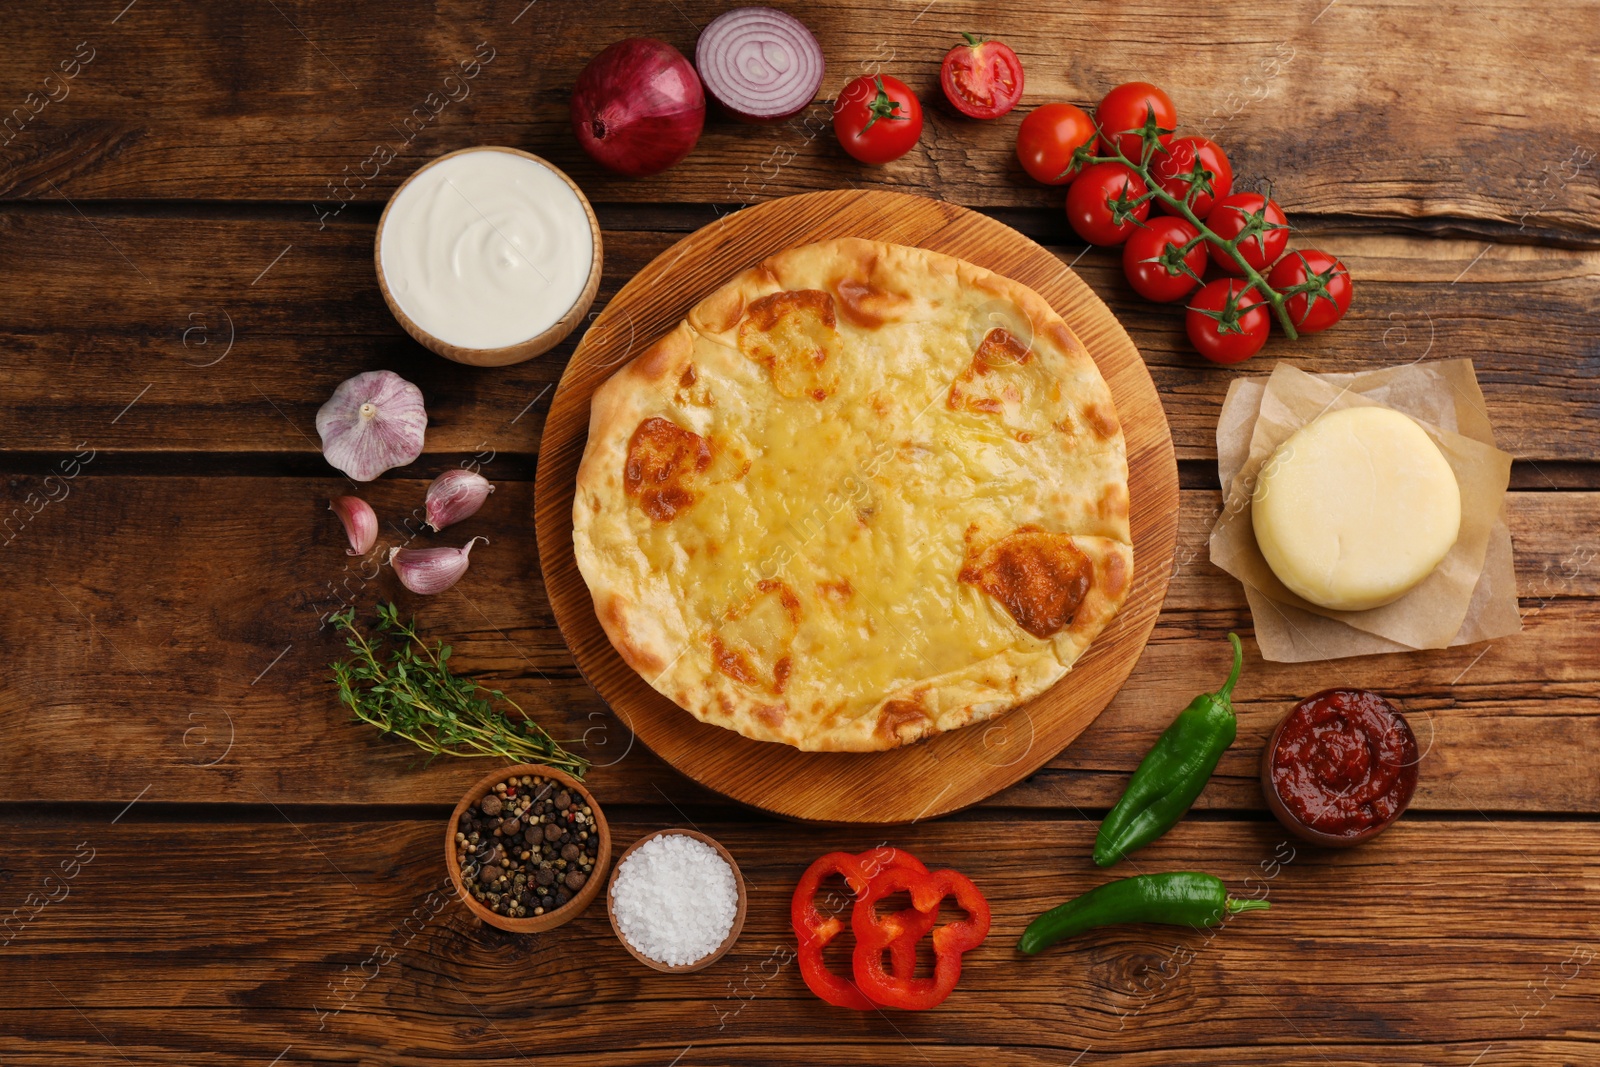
point(154, 611)
point(188, 941)
point(300, 102)
point(156, 302)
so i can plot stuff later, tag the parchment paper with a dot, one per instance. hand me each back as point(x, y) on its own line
point(1470, 597)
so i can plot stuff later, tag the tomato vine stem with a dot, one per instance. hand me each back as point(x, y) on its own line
point(1153, 191)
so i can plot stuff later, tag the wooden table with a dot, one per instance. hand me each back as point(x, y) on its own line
point(210, 864)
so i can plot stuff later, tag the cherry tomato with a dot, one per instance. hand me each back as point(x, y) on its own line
point(1177, 173)
point(1126, 110)
point(1101, 205)
point(1048, 137)
point(1227, 321)
point(1326, 302)
point(982, 79)
point(1232, 215)
point(1156, 268)
point(877, 118)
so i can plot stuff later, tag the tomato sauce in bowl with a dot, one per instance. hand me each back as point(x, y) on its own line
point(1341, 767)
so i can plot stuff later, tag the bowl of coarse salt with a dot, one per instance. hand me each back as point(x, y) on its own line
point(676, 900)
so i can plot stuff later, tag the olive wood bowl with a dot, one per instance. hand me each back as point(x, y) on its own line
point(738, 917)
point(533, 924)
point(522, 350)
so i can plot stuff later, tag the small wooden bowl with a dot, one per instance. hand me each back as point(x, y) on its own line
point(1288, 818)
point(522, 350)
point(738, 917)
point(533, 924)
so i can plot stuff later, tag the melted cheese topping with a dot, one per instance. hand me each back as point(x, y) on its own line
point(893, 496)
point(873, 498)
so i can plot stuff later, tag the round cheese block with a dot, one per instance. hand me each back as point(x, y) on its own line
point(1356, 508)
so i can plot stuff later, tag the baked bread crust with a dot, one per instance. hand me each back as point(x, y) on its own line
point(865, 493)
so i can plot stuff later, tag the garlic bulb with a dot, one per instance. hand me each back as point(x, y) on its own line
point(431, 570)
point(372, 422)
point(360, 523)
point(456, 495)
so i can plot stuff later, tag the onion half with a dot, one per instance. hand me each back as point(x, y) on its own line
point(760, 64)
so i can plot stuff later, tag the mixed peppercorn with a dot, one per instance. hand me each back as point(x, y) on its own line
point(527, 847)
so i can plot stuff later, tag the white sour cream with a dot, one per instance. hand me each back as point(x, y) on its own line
point(486, 248)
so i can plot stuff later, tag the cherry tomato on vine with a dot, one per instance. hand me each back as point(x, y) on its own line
point(982, 79)
point(877, 118)
point(1227, 321)
point(1189, 160)
point(1329, 298)
point(1104, 204)
point(1155, 264)
point(1126, 110)
point(1234, 215)
point(1048, 137)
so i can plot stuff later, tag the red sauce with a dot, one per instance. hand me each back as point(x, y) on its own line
point(1345, 761)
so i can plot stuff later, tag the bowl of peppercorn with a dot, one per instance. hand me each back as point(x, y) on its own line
point(527, 848)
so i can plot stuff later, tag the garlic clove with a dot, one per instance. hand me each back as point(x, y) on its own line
point(360, 523)
point(456, 495)
point(427, 571)
point(372, 423)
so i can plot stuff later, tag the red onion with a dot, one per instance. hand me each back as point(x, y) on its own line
point(760, 64)
point(637, 108)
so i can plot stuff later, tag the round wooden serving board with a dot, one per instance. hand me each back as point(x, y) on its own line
point(950, 771)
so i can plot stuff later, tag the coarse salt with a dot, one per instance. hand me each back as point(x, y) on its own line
point(675, 899)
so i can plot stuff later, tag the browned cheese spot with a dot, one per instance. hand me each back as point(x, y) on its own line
point(1115, 579)
point(897, 714)
point(1064, 338)
point(974, 390)
point(794, 334)
point(733, 662)
point(1113, 503)
point(1102, 421)
point(867, 305)
point(757, 632)
point(1040, 578)
point(687, 378)
point(663, 460)
point(838, 589)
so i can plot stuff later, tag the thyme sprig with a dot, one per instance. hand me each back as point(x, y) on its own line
point(407, 690)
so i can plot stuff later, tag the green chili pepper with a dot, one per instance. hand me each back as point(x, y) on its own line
point(1182, 898)
point(1172, 773)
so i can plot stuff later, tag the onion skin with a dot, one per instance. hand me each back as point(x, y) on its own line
point(638, 107)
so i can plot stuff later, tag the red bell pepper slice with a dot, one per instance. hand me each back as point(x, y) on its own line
point(875, 933)
point(815, 931)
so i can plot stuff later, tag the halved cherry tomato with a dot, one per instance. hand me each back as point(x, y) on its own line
point(1128, 110)
point(877, 118)
point(1048, 137)
point(1234, 215)
point(982, 79)
point(1105, 203)
point(1326, 301)
point(1194, 163)
point(1227, 321)
point(1155, 263)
